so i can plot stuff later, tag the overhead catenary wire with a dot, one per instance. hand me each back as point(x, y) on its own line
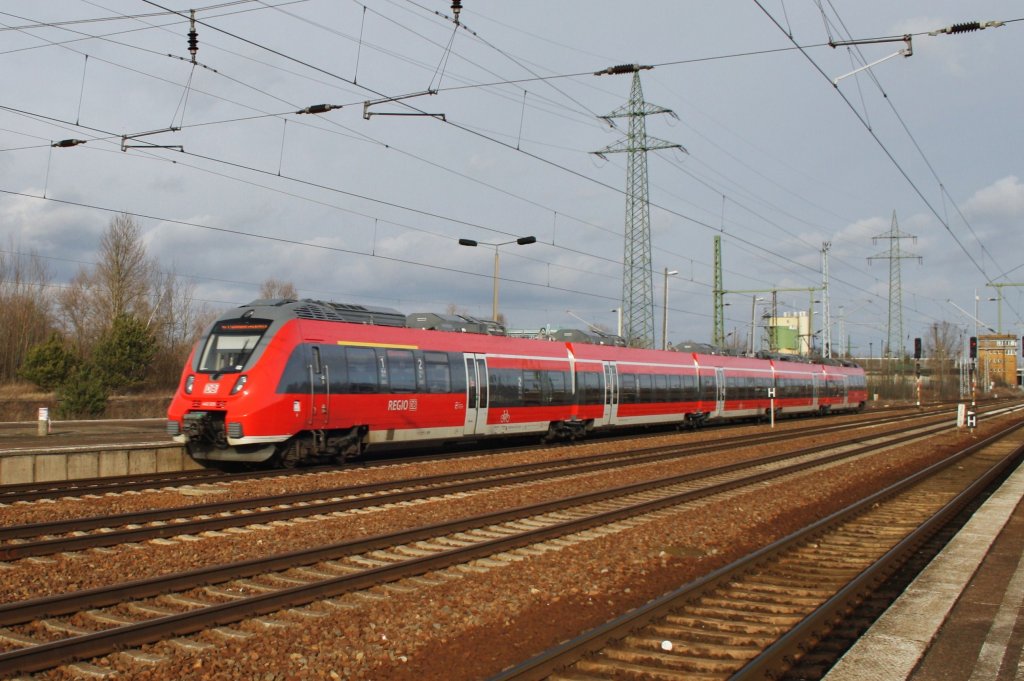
point(790, 48)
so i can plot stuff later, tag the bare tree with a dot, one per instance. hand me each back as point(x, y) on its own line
point(121, 283)
point(275, 288)
point(25, 302)
point(79, 314)
point(941, 348)
point(173, 321)
point(124, 272)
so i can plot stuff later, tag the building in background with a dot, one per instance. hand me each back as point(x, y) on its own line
point(997, 360)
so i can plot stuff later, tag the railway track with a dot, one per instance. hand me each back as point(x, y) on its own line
point(756, 617)
point(57, 489)
point(44, 632)
point(47, 538)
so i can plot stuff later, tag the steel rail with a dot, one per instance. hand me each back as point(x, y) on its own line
point(563, 655)
point(103, 642)
point(416, 488)
point(32, 491)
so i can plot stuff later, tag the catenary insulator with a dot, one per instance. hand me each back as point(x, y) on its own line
point(193, 37)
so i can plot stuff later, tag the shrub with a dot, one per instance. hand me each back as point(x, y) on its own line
point(49, 364)
point(125, 353)
point(84, 393)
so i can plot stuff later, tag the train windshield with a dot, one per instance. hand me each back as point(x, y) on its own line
point(231, 344)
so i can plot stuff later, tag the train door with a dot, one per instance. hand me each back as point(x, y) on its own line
point(815, 389)
point(611, 394)
point(476, 394)
point(719, 390)
point(319, 390)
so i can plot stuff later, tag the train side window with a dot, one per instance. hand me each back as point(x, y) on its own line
point(382, 370)
point(421, 372)
point(333, 358)
point(690, 393)
point(661, 388)
point(531, 388)
point(627, 388)
point(481, 370)
point(561, 389)
point(438, 378)
point(295, 377)
point(588, 387)
point(457, 369)
point(401, 371)
point(645, 388)
point(506, 387)
point(317, 366)
point(362, 370)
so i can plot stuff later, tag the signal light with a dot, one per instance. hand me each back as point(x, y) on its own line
point(917, 348)
point(973, 347)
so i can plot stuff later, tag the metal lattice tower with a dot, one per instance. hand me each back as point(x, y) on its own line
point(637, 272)
point(894, 346)
point(718, 298)
point(826, 313)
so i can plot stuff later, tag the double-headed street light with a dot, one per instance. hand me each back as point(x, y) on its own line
point(522, 241)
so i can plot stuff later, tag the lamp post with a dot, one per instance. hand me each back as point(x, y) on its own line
point(753, 309)
point(618, 318)
point(522, 241)
point(664, 309)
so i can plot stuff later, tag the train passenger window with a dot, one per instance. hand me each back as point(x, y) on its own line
point(645, 388)
point(561, 390)
point(506, 387)
point(588, 388)
point(627, 388)
point(295, 377)
point(457, 371)
point(401, 371)
point(532, 391)
point(690, 390)
point(332, 358)
point(362, 370)
point(708, 388)
point(661, 388)
point(437, 375)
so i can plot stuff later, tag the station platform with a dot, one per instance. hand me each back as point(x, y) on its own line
point(961, 619)
point(74, 450)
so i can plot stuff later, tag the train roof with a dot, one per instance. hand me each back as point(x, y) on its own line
point(351, 313)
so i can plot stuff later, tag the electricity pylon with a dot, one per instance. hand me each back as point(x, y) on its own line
point(895, 324)
point(637, 273)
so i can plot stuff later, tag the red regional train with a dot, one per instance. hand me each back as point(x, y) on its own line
point(280, 382)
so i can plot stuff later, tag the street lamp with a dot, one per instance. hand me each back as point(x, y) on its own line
point(753, 309)
point(522, 241)
point(664, 310)
point(618, 317)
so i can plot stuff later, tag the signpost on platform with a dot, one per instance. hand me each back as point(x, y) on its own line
point(771, 395)
point(43, 427)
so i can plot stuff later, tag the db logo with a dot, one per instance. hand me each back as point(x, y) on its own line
point(211, 388)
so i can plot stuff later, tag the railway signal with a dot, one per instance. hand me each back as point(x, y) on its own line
point(972, 346)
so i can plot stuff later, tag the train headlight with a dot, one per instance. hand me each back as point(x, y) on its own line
point(189, 382)
point(239, 384)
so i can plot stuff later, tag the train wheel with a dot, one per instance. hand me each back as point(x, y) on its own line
point(290, 456)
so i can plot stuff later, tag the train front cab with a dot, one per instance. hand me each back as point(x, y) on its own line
point(215, 408)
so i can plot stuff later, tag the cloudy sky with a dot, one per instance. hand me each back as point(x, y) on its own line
point(778, 159)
